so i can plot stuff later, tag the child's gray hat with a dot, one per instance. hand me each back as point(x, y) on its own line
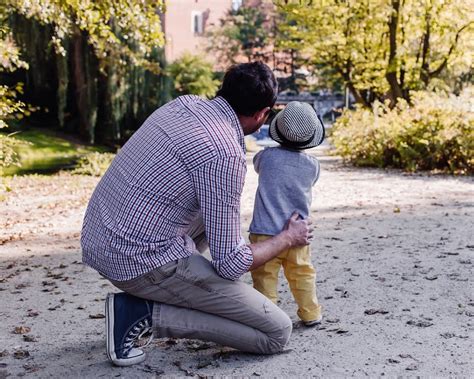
point(297, 126)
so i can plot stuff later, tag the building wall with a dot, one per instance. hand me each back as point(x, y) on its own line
point(178, 24)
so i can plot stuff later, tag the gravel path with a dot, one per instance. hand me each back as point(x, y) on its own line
point(394, 254)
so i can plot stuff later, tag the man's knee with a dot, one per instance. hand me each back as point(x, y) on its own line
point(280, 336)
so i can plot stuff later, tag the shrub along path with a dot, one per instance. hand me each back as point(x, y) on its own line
point(394, 255)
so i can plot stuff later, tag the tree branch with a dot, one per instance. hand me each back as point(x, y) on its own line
point(443, 64)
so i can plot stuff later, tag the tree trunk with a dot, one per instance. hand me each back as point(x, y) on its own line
point(396, 91)
point(424, 72)
point(356, 93)
point(79, 78)
point(346, 75)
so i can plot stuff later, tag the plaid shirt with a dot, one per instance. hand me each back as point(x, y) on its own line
point(186, 160)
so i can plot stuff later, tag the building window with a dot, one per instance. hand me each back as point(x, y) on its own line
point(197, 22)
point(236, 4)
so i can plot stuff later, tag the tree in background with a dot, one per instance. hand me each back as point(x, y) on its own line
point(10, 107)
point(191, 74)
point(242, 34)
point(383, 48)
point(115, 28)
point(252, 33)
point(95, 63)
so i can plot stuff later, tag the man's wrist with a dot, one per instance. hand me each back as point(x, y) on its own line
point(286, 239)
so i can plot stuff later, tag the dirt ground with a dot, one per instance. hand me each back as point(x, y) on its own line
point(394, 254)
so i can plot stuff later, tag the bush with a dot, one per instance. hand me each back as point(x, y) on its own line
point(192, 75)
point(435, 132)
point(93, 164)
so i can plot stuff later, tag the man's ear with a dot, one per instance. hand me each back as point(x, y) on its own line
point(260, 115)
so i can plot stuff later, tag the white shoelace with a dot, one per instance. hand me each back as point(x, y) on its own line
point(137, 332)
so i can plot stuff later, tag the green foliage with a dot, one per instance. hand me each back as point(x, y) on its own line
point(435, 132)
point(382, 47)
point(93, 164)
point(10, 107)
point(193, 75)
point(105, 76)
point(38, 151)
point(115, 28)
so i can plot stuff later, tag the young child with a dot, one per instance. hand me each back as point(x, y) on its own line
point(286, 176)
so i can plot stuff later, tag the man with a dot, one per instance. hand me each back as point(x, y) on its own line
point(173, 189)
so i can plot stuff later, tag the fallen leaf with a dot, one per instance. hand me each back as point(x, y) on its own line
point(97, 316)
point(204, 364)
point(21, 330)
point(420, 324)
point(178, 364)
point(21, 354)
point(375, 311)
point(32, 367)
point(29, 338)
point(447, 335)
point(153, 369)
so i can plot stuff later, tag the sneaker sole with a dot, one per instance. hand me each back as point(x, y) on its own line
point(109, 339)
point(313, 322)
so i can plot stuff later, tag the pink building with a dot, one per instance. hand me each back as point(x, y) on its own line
point(185, 23)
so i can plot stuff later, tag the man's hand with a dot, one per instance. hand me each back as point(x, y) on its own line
point(298, 230)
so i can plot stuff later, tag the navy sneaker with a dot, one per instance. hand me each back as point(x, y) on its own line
point(127, 318)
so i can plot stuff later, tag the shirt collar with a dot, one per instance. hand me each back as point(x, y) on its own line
point(230, 114)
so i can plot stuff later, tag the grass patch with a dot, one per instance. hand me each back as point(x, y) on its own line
point(42, 151)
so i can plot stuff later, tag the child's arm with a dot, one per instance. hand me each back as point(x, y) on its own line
point(256, 161)
point(317, 171)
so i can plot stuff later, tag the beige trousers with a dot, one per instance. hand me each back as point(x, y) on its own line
point(193, 301)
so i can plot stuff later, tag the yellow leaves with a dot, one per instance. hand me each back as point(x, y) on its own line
point(435, 132)
point(10, 55)
point(104, 22)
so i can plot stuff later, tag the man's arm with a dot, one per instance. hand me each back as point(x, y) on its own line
point(297, 232)
point(218, 185)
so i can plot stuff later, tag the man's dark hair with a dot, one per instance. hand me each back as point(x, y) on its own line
point(249, 87)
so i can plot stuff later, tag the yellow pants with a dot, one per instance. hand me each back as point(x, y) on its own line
point(299, 272)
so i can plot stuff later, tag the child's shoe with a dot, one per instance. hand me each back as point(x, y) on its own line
point(310, 323)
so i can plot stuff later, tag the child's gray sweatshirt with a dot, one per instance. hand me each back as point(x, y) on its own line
point(285, 180)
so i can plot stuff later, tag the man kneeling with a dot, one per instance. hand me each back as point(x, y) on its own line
point(172, 190)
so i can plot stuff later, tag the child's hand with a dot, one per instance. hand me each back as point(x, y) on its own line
point(299, 230)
